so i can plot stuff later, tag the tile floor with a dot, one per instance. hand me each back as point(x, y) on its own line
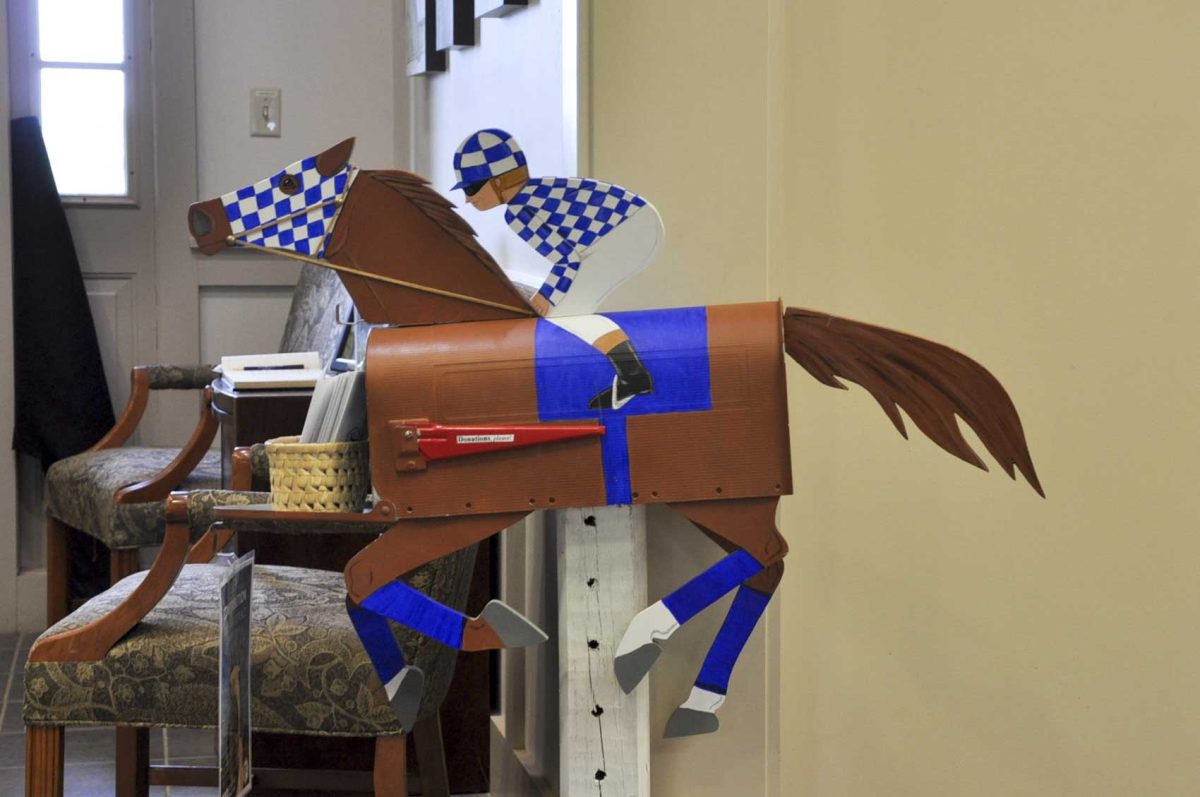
point(89, 751)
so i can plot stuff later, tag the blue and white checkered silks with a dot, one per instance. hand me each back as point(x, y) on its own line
point(562, 217)
point(296, 217)
point(484, 155)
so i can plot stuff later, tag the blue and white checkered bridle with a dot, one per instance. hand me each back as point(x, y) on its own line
point(293, 209)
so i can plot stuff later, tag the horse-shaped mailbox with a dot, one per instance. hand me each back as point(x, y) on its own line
point(479, 413)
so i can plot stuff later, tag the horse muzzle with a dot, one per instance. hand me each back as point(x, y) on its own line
point(209, 226)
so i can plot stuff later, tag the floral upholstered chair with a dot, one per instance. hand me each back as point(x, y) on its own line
point(115, 493)
point(144, 654)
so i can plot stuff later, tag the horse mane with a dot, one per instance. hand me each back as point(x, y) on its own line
point(932, 383)
point(437, 209)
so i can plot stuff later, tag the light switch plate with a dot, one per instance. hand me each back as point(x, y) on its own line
point(266, 109)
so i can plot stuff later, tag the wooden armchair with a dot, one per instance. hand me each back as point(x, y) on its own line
point(144, 654)
point(116, 493)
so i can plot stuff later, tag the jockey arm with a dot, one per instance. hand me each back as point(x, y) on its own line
point(559, 280)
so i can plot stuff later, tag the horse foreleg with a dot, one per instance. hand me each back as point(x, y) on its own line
point(372, 583)
point(404, 684)
point(375, 595)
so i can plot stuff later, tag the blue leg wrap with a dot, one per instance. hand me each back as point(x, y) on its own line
point(748, 605)
point(379, 642)
point(418, 611)
point(706, 588)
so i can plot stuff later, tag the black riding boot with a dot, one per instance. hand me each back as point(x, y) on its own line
point(632, 379)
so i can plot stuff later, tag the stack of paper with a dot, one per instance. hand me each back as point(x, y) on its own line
point(338, 411)
point(268, 371)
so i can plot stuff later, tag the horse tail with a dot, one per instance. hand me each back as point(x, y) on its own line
point(932, 383)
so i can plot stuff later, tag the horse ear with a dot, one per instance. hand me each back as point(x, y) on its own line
point(334, 159)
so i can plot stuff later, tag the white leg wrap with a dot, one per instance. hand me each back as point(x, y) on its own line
point(703, 700)
point(655, 623)
point(391, 686)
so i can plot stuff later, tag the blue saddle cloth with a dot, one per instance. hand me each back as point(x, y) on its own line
point(673, 345)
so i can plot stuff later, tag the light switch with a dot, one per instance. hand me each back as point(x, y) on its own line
point(266, 108)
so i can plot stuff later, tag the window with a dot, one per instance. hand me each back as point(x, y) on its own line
point(82, 68)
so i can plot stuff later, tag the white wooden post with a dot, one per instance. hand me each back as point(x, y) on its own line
point(604, 733)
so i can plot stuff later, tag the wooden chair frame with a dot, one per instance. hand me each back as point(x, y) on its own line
point(44, 755)
point(123, 561)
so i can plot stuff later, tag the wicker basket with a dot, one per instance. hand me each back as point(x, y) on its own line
point(318, 477)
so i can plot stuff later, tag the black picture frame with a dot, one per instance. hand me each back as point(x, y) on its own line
point(455, 24)
point(498, 8)
point(420, 25)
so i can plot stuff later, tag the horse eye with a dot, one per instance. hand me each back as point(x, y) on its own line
point(288, 184)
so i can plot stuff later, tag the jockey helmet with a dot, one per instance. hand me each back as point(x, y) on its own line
point(486, 154)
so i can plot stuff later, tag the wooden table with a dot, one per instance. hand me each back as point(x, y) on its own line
point(249, 417)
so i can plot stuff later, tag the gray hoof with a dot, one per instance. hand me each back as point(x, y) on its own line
point(632, 667)
point(410, 686)
point(689, 722)
point(513, 629)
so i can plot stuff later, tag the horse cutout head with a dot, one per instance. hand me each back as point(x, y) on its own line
point(289, 210)
point(402, 252)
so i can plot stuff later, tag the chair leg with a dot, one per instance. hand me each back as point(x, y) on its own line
point(133, 762)
point(58, 570)
point(391, 776)
point(122, 562)
point(43, 761)
point(431, 757)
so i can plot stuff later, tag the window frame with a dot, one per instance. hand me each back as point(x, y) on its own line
point(128, 67)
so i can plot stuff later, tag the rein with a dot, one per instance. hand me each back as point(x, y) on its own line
point(232, 241)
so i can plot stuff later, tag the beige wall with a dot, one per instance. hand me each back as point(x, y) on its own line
point(1019, 181)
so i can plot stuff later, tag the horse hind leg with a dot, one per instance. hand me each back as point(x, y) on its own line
point(752, 528)
point(746, 530)
point(698, 714)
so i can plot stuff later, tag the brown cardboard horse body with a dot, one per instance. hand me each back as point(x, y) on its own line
point(478, 412)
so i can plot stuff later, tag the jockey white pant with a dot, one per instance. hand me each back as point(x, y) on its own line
point(624, 251)
point(588, 328)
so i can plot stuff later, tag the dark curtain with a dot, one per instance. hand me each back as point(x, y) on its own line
point(63, 406)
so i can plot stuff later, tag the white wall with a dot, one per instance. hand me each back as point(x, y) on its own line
point(333, 63)
point(513, 80)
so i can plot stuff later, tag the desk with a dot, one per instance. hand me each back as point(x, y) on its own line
point(249, 417)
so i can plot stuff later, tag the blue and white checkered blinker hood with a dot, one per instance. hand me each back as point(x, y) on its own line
point(484, 155)
point(293, 209)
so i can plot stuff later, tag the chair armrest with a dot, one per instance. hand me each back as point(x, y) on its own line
point(92, 641)
point(180, 377)
point(251, 466)
point(159, 486)
point(201, 504)
point(143, 379)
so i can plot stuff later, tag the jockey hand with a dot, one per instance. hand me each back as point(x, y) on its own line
point(540, 303)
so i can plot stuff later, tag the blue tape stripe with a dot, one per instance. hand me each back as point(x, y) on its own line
point(748, 606)
point(418, 611)
point(614, 453)
point(704, 590)
point(378, 640)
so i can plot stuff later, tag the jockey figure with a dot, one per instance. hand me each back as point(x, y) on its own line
point(595, 235)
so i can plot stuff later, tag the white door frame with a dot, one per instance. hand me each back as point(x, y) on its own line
point(8, 474)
